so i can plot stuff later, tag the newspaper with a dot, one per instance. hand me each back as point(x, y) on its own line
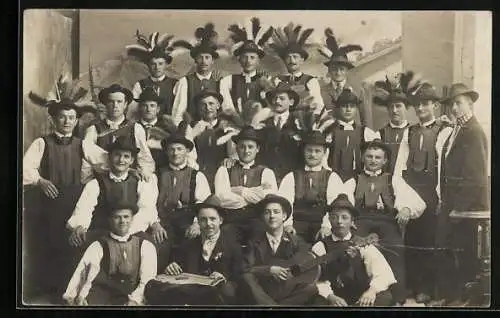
point(187, 278)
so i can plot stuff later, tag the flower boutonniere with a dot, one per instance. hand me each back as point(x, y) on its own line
point(217, 256)
point(286, 239)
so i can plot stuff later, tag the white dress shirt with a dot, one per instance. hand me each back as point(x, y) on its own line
point(98, 157)
point(226, 85)
point(274, 242)
point(377, 268)
point(90, 265)
point(33, 158)
point(281, 119)
point(181, 97)
point(253, 195)
point(287, 188)
point(440, 142)
point(404, 150)
point(145, 216)
point(208, 245)
point(405, 197)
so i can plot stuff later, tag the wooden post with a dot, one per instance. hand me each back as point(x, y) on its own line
point(75, 45)
point(366, 114)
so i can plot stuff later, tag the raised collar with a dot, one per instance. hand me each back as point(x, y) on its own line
point(317, 168)
point(246, 165)
point(428, 123)
point(157, 79)
point(403, 125)
point(151, 123)
point(59, 135)
point(213, 239)
point(251, 74)
point(350, 124)
point(345, 238)
point(373, 174)
point(115, 123)
point(116, 178)
point(212, 123)
point(124, 238)
point(203, 77)
point(178, 168)
point(284, 117)
point(336, 85)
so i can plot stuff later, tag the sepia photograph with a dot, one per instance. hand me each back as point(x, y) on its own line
point(255, 159)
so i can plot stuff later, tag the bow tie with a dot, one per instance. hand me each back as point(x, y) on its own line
point(346, 126)
point(293, 78)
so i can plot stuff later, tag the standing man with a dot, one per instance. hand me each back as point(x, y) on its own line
point(156, 52)
point(205, 77)
point(310, 189)
point(100, 136)
point(244, 185)
point(346, 137)
point(52, 164)
point(237, 89)
point(290, 45)
point(463, 187)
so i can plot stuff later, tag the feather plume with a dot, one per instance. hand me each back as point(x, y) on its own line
point(164, 40)
point(279, 37)
point(332, 45)
point(255, 27)
point(261, 116)
point(350, 48)
point(153, 39)
point(304, 36)
point(142, 40)
point(331, 41)
point(237, 33)
point(295, 34)
point(37, 99)
point(207, 34)
point(233, 119)
point(288, 30)
point(249, 29)
point(182, 44)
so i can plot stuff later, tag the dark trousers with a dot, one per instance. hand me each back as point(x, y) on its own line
point(389, 233)
point(307, 230)
point(255, 287)
point(383, 299)
point(105, 296)
point(242, 223)
point(158, 293)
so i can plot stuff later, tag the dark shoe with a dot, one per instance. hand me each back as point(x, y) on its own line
point(422, 298)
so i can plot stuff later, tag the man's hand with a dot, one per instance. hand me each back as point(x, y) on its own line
point(323, 232)
point(290, 230)
point(193, 231)
point(48, 188)
point(132, 303)
point(228, 163)
point(266, 186)
point(173, 269)
point(78, 301)
point(403, 216)
point(217, 275)
point(158, 232)
point(336, 301)
point(237, 190)
point(368, 298)
point(143, 176)
point(279, 273)
point(78, 236)
point(352, 251)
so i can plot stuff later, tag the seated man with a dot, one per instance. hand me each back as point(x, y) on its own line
point(362, 276)
point(214, 254)
point(244, 185)
point(116, 186)
point(266, 283)
point(115, 268)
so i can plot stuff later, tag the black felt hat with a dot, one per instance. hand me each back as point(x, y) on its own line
point(123, 143)
point(206, 93)
point(115, 88)
point(347, 97)
point(149, 94)
point(177, 138)
point(247, 133)
point(315, 138)
point(284, 87)
point(274, 198)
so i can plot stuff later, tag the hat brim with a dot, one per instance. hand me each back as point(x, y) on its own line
point(55, 107)
point(285, 204)
point(177, 140)
point(474, 96)
point(236, 139)
point(202, 95)
point(200, 50)
point(133, 150)
point(242, 50)
point(354, 212)
point(103, 94)
point(349, 65)
point(293, 95)
point(152, 99)
point(376, 144)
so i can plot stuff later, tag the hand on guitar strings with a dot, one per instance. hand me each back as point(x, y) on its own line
point(280, 273)
point(173, 269)
point(218, 276)
point(290, 230)
point(368, 298)
point(336, 301)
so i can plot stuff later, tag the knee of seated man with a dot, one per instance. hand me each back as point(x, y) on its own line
point(228, 289)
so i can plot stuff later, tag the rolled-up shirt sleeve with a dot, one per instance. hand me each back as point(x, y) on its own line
point(315, 92)
point(287, 190)
point(406, 197)
point(229, 199)
point(256, 194)
point(225, 91)
point(147, 213)
point(93, 154)
point(324, 287)
point(31, 162)
point(370, 134)
point(147, 271)
point(145, 160)
point(82, 214)
point(180, 100)
point(377, 268)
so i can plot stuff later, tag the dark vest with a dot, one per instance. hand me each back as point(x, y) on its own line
point(176, 185)
point(106, 141)
point(194, 87)
point(245, 91)
point(253, 175)
point(366, 196)
point(310, 194)
point(393, 138)
point(298, 83)
point(123, 271)
point(347, 275)
point(62, 161)
point(111, 193)
point(345, 150)
point(166, 88)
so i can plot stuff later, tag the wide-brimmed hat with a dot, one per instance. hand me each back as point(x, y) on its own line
point(274, 198)
point(400, 87)
point(376, 143)
point(247, 133)
point(283, 87)
point(458, 89)
point(425, 92)
point(121, 205)
point(53, 107)
point(123, 143)
point(212, 201)
point(335, 53)
point(251, 38)
point(347, 97)
point(314, 138)
point(206, 93)
point(155, 46)
point(115, 88)
point(149, 94)
point(342, 202)
point(290, 39)
point(177, 138)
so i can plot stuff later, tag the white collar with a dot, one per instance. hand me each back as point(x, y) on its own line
point(348, 124)
point(296, 74)
point(157, 79)
point(203, 77)
point(58, 134)
point(116, 178)
point(317, 168)
point(374, 174)
point(152, 123)
point(345, 238)
point(403, 125)
point(428, 123)
point(251, 74)
point(339, 84)
point(120, 238)
point(182, 166)
point(284, 117)
point(247, 165)
point(115, 122)
point(274, 239)
point(212, 239)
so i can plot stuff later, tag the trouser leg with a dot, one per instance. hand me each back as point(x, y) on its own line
point(256, 291)
point(301, 294)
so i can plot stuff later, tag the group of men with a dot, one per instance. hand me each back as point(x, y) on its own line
point(278, 208)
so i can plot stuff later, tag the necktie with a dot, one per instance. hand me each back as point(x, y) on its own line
point(278, 123)
point(338, 90)
point(208, 247)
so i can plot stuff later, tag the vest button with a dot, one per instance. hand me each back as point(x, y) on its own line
point(123, 281)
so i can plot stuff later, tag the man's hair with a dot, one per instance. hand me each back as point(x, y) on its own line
point(122, 206)
point(376, 147)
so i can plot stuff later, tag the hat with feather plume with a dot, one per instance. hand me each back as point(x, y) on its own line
point(253, 114)
point(206, 38)
point(154, 46)
point(335, 53)
point(67, 94)
point(290, 39)
point(401, 87)
point(250, 38)
point(308, 123)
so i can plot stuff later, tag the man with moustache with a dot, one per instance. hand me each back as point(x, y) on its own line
point(53, 166)
point(310, 189)
point(204, 78)
point(116, 267)
point(463, 187)
point(103, 134)
point(214, 254)
point(243, 185)
point(237, 89)
point(346, 137)
point(261, 278)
